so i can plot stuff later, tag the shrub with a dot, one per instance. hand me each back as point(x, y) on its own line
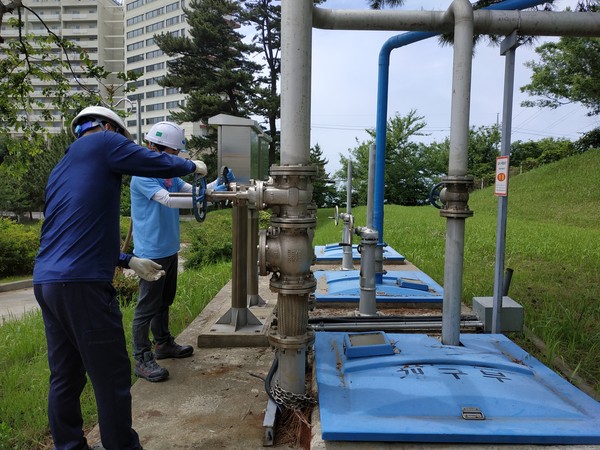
point(18, 247)
point(264, 219)
point(126, 287)
point(211, 241)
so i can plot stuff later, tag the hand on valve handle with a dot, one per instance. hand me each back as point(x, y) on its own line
point(201, 169)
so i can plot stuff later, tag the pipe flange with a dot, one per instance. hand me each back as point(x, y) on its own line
point(291, 342)
point(262, 253)
point(307, 171)
point(285, 286)
point(293, 223)
point(455, 197)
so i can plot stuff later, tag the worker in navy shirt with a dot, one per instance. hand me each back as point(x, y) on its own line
point(155, 216)
point(73, 273)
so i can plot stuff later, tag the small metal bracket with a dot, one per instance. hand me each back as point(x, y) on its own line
point(472, 413)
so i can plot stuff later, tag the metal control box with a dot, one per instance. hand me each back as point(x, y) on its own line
point(242, 146)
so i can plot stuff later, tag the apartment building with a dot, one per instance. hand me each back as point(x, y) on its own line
point(95, 25)
point(144, 19)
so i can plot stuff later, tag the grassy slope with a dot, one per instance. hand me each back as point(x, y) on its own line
point(552, 244)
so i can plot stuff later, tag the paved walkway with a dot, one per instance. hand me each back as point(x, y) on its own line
point(16, 299)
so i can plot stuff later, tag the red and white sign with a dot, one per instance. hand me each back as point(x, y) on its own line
point(501, 183)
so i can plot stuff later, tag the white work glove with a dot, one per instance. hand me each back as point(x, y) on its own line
point(146, 268)
point(201, 169)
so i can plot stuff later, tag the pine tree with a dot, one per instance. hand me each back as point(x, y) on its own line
point(212, 65)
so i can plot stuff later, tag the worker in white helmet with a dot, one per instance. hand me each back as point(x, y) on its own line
point(155, 216)
point(74, 269)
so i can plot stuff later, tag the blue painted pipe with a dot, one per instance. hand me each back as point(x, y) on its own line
point(382, 101)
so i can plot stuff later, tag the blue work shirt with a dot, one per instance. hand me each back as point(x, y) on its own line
point(155, 226)
point(80, 235)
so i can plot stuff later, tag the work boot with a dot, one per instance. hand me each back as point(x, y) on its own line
point(148, 369)
point(172, 349)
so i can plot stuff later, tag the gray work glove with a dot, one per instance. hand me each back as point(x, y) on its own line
point(201, 169)
point(146, 268)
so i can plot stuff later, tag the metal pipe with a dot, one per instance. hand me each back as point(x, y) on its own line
point(347, 262)
point(495, 19)
point(368, 283)
point(462, 13)
point(387, 326)
point(254, 298)
point(507, 279)
point(296, 45)
point(371, 185)
point(508, 49)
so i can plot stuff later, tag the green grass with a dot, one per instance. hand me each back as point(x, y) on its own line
point(25, 374)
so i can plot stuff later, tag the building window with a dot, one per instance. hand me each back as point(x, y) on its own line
point(154, 120)
point(135, 84)
point(172, 91)
point(136, 19)
point(172, 21)
point(173, 105)
point(135, 58)
point(154, 13)
point(154, 67)
point(154, 94)
point(135, 33)
point(135, 46)
point(154, 54)
point(155, 107)
point(150, 42)
point(134, 4)
point(153, 80)
point(172, 7)
point(155, 26)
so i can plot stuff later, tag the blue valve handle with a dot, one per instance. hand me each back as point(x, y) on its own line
point(434, 195)
point(199, 183)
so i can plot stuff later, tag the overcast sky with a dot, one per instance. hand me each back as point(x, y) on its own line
point(344, 87)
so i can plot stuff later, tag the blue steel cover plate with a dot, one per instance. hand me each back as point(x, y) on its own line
point(396, 287)
point(334, 252)
point(421, 393)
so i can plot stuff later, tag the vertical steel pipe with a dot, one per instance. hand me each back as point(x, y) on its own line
point(347, 261)
point(462, 13)
point(296, 50)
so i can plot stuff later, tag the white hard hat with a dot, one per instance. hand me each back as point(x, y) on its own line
point(99, 114)
point(168, 134)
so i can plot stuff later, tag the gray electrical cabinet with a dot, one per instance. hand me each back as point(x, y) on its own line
point(242, 146)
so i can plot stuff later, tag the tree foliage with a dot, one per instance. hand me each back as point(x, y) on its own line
point(265, 17)
point(410, 167)
point(212, 66)
point(22, 193)
point(324, 191)
point(531, 154)
point(56, 62)
point(568, 71)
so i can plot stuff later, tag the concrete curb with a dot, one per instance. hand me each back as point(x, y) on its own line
point(15, 285)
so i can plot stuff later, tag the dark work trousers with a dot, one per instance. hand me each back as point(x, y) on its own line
point(84, 331)
point(152, 309)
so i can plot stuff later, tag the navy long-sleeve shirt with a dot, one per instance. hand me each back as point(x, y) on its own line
point(80, 235)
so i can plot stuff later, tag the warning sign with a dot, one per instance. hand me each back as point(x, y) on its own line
point(501, 183)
